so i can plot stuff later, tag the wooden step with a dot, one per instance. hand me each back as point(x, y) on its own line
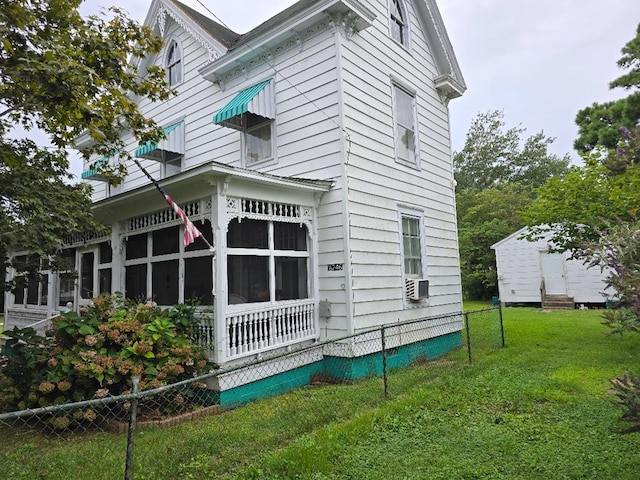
point(558, 302)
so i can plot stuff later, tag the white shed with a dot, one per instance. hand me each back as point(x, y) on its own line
point(528, 272)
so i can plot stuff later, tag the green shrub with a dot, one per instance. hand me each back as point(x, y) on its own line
point(96, 353)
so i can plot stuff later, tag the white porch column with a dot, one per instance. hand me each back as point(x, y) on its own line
point(219, 225)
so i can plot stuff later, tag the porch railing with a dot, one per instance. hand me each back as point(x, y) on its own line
point(266, 327)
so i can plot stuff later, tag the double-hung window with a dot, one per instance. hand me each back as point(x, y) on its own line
point(258, 146)
point(412, 246)
point(399, 30)
point(173, 64)
point(404, 119)
point(267, 261)
point(252, 112)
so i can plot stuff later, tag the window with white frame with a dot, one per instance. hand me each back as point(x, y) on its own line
point(258, 134)
point(399, 24)
point(31, 282)
point(158, 266)
point(411, 225)
point(404, 119)
point(267, 261)
point(173, 64)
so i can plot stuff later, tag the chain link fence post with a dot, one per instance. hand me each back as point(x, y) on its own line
point(501, 323)
point(466, 328)
point(384, 363)
point(128, 472)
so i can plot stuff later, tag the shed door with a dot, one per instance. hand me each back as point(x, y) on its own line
point(553, 273)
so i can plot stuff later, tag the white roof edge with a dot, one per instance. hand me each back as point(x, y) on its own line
point(446, 60)
point(506, 239)
point(283, 29)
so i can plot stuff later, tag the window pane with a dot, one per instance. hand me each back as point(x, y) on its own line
point(106, 254)
point(104, 277)
point(248, 234)
point(291, 278)
point(175, 73)
point(248, 279)
point(164, 282)
point(406, 144)
point(86, 275)
point(18, 293)
point(289, 236)
point(411, 246)
point(397, 31)
point(404, 108)
point(166, 241)
point(198, 280)
point(32, 291)
point(258, 143)
point(44, 290)
point(66, 290)
point(136, 246)
point(395, 9)
point(199, 244)
point(136, 282)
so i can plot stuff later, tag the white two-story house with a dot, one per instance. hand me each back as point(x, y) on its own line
point(314, 155)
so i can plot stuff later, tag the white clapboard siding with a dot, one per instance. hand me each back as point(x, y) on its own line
point(369, 60)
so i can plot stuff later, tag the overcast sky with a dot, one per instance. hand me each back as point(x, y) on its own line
point(540, 61)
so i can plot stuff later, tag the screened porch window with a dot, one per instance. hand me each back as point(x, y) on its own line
point(31, 283)
point(267, 261)
point(158, 266)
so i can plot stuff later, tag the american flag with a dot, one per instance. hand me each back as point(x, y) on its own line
point(191, 232)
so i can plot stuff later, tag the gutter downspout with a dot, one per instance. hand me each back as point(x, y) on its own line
point(345, 146)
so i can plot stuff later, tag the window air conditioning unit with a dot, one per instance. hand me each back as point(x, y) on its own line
point(417, 289)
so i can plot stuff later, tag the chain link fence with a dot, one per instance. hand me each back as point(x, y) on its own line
point(304, 389)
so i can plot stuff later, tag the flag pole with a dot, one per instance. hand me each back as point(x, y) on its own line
point(190, 228)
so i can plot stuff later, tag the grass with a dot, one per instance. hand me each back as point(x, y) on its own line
point(537, 409)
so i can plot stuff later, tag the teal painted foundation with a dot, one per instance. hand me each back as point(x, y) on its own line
point(338, 369)
point(268, 387)
point(351, 369)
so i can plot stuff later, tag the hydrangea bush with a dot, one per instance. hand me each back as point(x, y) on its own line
point(96, 353)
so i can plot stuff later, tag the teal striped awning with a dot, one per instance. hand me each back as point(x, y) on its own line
point(92, 173)
point(258, 99)
point(169, 148)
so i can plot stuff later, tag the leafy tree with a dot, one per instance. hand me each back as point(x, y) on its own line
point(494, 156)
point(66, 76)
point(496, 173)
point(599, 124)
point(486, 217)
point(578, 206)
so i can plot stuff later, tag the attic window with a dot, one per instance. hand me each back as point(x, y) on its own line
point(398, 22)
point(174, 64)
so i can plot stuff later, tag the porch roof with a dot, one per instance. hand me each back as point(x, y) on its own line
point(185, 186)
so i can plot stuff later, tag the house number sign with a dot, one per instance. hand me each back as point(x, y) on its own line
point(335, 267)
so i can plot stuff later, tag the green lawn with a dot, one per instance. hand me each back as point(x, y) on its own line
point(539, 409)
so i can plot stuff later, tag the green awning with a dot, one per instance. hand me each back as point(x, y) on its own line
point(92, 173)
point(257, 99)
point(173, 143)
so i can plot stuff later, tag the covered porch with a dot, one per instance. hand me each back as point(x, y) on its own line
point(257, 286)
